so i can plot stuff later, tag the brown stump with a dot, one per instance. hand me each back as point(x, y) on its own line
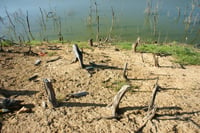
point(50, 92)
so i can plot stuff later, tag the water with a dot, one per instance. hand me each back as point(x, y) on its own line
point(121, 20)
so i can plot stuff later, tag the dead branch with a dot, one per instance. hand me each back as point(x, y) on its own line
point(78, 55)
point(149, 117)
point(155, 90)
point(50, 92)
point(115, 104)
point(125, 72)
point(54, 59)
point(156, 62)
point(29, 28)
point(134, 46)
point(151, 109)
point(30, 52)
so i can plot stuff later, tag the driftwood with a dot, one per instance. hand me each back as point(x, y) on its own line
point(125, 72)
point(134, 46)
point(151, 109)
point(115, 103)
point(78, 55)
point(33, 77)
point(77, 95)
point(50, 92)
point(8, 104)
point(54, 59)
point(155, 90)
point(156, 62)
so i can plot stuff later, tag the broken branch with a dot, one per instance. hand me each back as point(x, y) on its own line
point(115, 104)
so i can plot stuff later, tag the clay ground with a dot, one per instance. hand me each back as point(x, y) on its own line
point(178, 101)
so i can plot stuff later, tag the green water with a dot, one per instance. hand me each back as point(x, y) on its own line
point(119, 20)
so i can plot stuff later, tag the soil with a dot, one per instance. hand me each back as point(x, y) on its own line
point(177, 102)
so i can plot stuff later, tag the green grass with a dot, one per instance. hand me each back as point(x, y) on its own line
point(183, 54)
point(123, 45)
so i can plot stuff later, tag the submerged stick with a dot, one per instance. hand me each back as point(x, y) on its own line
point(115, 104)
point(50, 92)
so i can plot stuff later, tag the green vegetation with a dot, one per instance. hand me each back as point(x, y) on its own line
point(124, 45)
point(183, 54)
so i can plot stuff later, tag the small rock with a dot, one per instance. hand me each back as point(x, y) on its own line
point(37, 62)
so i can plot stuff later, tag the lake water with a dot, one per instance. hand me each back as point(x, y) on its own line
point(121, 20)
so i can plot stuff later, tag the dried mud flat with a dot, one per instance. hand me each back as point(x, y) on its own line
point(178, 101)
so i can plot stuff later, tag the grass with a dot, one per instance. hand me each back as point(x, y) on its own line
point(123, 45)
point(183, 54)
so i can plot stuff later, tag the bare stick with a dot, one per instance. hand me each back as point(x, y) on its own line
point(50, 92)
point(115, 104)
point(54, 59)
point(125, 72)
point(134, 46)
point(142, 57)
point(78, 55)
point(149, 117)
point(156, 62)
point(156, 88)
point(97, 36)
point(29, 28)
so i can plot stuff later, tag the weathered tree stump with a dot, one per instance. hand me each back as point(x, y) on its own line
point(134, 45)
point(125, 72)
point(50, 92)
point(115, 103)
point(91, 42)
point(78, 55)
point(156, 62)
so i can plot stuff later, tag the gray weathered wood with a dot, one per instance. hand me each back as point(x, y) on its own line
point(155, 90)
point(115, 103)
point(125, 72)
point(78, 55)
point(134, 46)
point(50, 92)
point(54, 59)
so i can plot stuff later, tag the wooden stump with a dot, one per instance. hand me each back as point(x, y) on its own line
point(134, 46)
point(91, 42)
point(50, 92)
point(156, 62)
point(78, 55)
point(125, 72)
point(115, 103)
